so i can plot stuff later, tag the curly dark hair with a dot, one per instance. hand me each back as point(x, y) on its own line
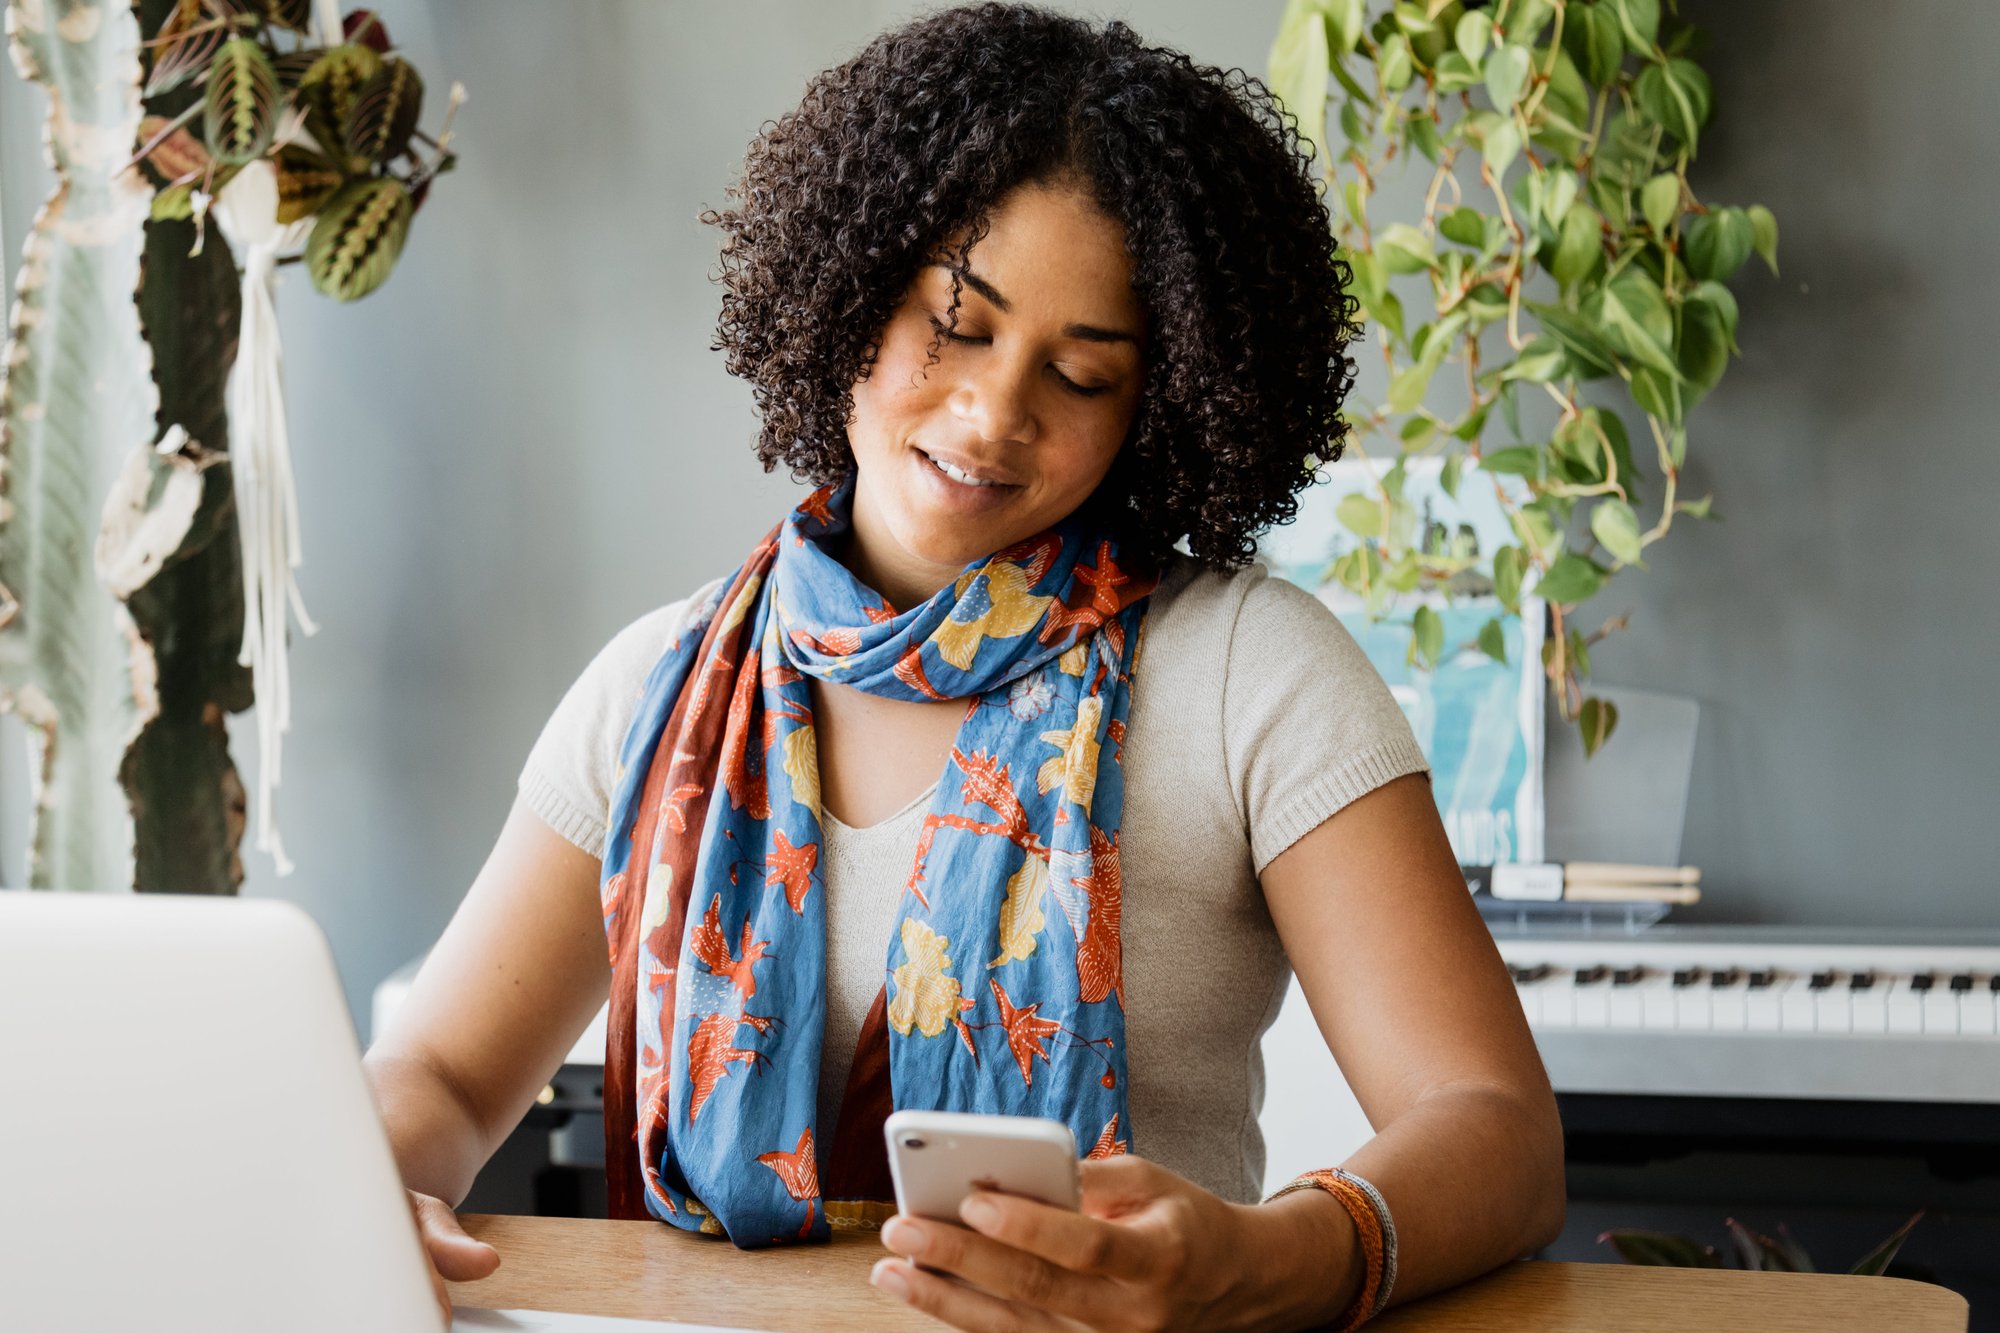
point(917, 138)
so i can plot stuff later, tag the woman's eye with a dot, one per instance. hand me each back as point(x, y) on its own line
point(952, 335)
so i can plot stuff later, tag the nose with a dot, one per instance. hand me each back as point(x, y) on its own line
point(994, 398)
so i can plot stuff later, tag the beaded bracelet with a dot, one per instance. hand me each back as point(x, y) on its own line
point(1377, 1230)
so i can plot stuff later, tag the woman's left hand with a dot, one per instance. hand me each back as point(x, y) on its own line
point(1149, 1250)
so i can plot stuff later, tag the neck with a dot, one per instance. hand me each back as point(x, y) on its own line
point(871, 555)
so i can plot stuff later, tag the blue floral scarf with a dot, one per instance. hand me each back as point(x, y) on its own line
point(1003, 979)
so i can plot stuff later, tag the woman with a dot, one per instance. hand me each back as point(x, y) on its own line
point(1030, 303)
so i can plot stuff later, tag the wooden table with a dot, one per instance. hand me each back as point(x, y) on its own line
point(647, 1270)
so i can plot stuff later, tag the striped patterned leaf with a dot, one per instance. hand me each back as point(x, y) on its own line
point(305, 181)
point(293, 14)
point(178, 156)
point(359, 234)
point(385, 115)
point(242, 108)
point(292, 66)
point(185, 43)
point(332, 84)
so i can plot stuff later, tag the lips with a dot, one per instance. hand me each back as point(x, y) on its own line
point(970, 468)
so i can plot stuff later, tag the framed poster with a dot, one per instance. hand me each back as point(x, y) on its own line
point(1478, 719)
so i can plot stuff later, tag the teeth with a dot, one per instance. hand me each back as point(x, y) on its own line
point(957, 475)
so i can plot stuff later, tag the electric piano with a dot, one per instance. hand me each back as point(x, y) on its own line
point(1812, 1038)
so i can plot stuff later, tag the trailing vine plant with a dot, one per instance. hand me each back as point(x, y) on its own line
point(1559, 250)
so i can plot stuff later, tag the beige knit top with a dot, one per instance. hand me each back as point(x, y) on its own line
point(1254, 716)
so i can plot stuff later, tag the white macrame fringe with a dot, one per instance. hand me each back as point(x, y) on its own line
point(267, 506)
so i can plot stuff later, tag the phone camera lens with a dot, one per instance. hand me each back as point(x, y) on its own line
point(912, 1141)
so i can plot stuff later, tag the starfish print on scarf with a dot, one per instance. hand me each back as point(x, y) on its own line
point(1025, 1031)
point(1108, 1143)
point(792, 867)
point(1103, 579)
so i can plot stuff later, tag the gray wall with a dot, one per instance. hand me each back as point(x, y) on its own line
point(523, 441)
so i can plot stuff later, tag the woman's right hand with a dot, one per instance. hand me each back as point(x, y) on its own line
point(453, 1254)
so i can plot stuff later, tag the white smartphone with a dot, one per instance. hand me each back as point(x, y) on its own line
point(936, 1158)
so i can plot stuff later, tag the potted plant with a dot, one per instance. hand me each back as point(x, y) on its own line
point(1561, 276)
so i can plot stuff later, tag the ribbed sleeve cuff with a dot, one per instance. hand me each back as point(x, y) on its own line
point(1320, 798)
point(578, 826)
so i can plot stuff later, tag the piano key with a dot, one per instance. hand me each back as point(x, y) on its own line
point(1923, 981)
point(1625, 1006)
point(1798, 1011)
point(1763, 1010)
point(1590, 976)
point(1861, 980)
point(1978, 1016)
point(1724, 976)
point(1868, 1010)
point(1940, 1013)
point(1823, 980)
point(1657, 1005)
point(1763, 977)
point(1831, 1012)
point(1906, 1007)
point(1628, 976)
point(1962, 982)
point(1690, 1008)
point(1686, 976)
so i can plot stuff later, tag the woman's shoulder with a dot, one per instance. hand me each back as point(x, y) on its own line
point(626, 659)
point(1197, 602)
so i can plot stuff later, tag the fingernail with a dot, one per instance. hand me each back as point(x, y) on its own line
point(905, 1235)
point(886, 1276)
point(979, 1211)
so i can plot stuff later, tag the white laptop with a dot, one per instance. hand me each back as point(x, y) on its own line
point(186, 1141)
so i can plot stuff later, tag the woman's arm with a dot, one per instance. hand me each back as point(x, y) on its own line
point(1418, 1009)
point(1414, 1002)
point(518, 973)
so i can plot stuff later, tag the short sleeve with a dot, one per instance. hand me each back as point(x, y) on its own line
point(572, 767)
point(1309, 725)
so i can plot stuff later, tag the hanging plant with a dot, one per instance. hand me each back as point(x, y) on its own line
point(1559, 251)
point(335, 122)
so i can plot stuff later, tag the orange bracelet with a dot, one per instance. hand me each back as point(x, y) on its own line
point(1377, 1233)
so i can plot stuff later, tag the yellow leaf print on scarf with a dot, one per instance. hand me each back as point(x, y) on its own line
point(659, 897)
point(1021, 915)
point(1074, 658)
point(744, 601)
point(925, 997)
point(1075, 769)
point(1013, 610)
point(802, 766)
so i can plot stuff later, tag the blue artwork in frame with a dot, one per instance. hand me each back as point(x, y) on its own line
point(1478, 720)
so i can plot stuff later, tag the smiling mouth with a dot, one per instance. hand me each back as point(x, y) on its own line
point(963, 477)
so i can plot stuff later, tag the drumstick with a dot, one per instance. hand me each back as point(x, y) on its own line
point(1605, 872)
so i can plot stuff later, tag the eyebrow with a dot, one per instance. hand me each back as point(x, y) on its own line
point(1085, 332)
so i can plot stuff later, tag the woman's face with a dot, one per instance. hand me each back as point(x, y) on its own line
point(1034, 391)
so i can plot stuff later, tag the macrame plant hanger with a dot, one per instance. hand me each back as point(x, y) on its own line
point(267, 503)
